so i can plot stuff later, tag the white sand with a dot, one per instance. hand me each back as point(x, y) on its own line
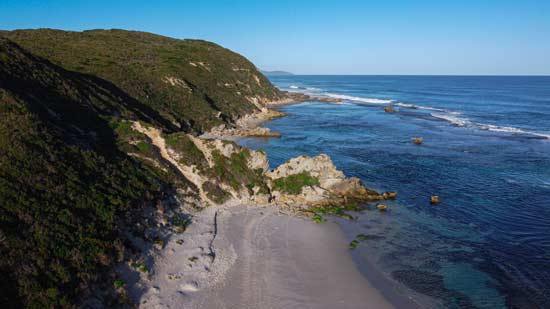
point(263, 259)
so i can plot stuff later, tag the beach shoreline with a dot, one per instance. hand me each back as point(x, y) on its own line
point(285, 261)
point(238, 255)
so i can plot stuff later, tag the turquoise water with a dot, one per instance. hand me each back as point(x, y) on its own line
point(486, 153)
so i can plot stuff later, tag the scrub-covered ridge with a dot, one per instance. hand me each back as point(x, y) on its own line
point(103, 165)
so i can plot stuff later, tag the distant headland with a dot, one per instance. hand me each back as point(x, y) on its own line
point(276, 73)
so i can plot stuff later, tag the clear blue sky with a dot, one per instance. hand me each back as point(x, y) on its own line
point(328, 37)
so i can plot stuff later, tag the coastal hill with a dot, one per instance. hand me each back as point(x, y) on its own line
point(102, 160)
point(276, 73)
point(191, 83)
point(64, 182)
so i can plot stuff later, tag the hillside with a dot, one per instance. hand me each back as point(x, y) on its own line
point(100, 165)
point(64, 183)
point(73, 167)
point(194, 84)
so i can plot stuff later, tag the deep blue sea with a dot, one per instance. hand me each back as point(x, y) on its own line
point(486, 154)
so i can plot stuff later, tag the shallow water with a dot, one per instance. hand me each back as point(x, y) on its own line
point(486, 153)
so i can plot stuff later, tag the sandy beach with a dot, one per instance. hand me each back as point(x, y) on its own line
point(255, 257)
point(286, 262)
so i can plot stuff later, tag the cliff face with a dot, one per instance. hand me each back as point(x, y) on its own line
point(194, 84)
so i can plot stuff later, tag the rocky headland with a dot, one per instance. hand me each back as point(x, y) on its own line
point(249, 125)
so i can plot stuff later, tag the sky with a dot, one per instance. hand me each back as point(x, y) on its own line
point(444, 37)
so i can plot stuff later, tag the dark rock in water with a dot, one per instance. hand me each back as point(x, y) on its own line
point(382, 207)
point(389, 195)
point(435, 200)
point(417, 140)
point(296, 97)
point(389, 109)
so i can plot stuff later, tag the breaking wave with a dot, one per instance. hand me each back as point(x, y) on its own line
point(358, 99)
point(467, 123)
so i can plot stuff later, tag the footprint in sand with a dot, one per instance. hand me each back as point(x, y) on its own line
point(189, 287)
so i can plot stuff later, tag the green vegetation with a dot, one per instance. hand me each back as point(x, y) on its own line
point(190, 154)
point(140, 266)
point(180, 223)
point(196, 84)
point(144, 147)
point(318, 218)
point(334, 210)
point(64, 183)
point(362, 237)
point(234, 171)
point(159, 243)
point(215, 193)
point(72, 168)
point(293, 184)
point(353, 244)
point(119, 283)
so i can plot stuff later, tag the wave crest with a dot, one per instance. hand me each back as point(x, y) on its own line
point(465, 122)
point(358, 99)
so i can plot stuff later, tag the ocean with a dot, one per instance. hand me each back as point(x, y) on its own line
point(486, 154)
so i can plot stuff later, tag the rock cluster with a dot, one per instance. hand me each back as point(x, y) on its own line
point(332, 186)
point(297, 97)
point(247, 126)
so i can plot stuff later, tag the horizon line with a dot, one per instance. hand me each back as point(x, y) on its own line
point(466, 75)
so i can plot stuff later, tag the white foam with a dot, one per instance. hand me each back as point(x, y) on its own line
point(429, 108)
point(406, 105)
point(358, 99)
point(294, 87)
point(490, 127)
point(465, 122)
point(312, 89)
point(452, 118)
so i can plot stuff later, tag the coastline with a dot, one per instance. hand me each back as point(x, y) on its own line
point(278, 259)
point(284, 261)
point(250, 125)
point(387, 290)
point(264, 258)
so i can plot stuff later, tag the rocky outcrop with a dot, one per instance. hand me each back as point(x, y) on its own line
point(247, 126)
point(224, 172)
point(298, 97)
point(389, 109)
point(382, 207)
point(312, 182)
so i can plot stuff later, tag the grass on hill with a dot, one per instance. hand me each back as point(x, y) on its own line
point(64, 183)
point(195, 84)
point(293, 184)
